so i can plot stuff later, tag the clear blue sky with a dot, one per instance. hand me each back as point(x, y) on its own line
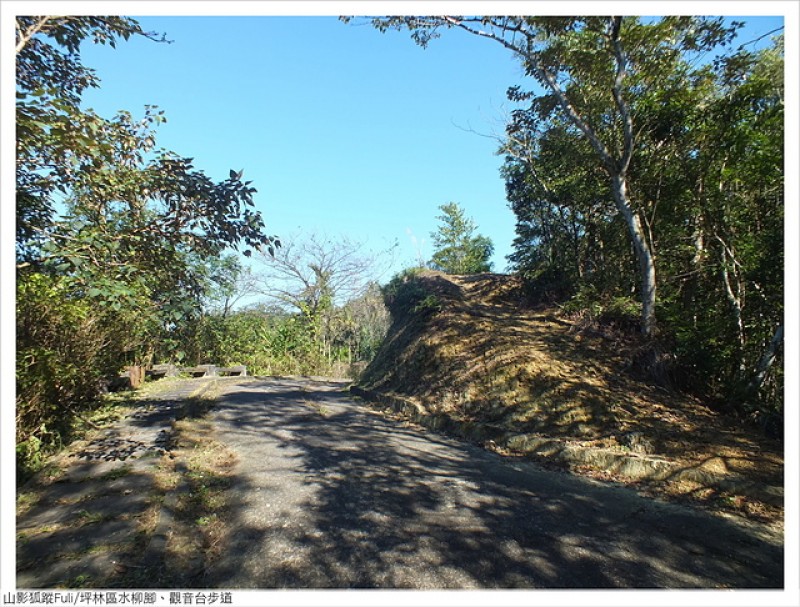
point(342, 129)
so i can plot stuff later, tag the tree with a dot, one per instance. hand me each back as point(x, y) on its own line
point(458, 249)
point(632, 120)
point(566, 235)
point(365, 321)
point(230, 282)
point(321, 278)
point(591, 69)
point(736, 163)
point(114, 274)
point(54, 134)
point(314, 273)
point(708, 173)
point(137, 222)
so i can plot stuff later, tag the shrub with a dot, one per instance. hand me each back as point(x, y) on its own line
point(403, 294)
point(590, 310)
point(64, 352)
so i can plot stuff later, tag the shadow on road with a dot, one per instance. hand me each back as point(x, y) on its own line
point(328, 495)
point(83, 526)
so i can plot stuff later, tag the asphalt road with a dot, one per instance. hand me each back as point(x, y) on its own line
point(328, 494)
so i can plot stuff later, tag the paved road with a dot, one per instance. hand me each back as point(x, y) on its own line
point(331, 495)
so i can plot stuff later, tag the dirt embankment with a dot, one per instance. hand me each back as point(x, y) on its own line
point(465, 354)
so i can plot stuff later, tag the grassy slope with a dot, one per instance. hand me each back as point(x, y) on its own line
point(476, 353)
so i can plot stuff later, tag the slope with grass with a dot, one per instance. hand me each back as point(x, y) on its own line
point(468, 351)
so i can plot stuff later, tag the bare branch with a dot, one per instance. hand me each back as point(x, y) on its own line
point(306, 270)
point(547, 78)
point(755, 40)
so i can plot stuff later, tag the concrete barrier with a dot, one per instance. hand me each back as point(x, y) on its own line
point(238, 370)
point(200, 371)
point(159, 371)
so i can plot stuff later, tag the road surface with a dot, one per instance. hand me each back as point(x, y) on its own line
point(328, 494)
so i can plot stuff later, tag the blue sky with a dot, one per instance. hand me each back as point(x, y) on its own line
point(342, 129)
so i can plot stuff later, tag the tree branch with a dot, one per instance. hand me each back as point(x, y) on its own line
point(622, 106)
point(545, 76)
point(24, 37)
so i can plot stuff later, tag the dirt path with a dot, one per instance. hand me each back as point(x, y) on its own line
point(89, 520)
point(328, 494)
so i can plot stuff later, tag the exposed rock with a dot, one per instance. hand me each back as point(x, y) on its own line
point(637, 442)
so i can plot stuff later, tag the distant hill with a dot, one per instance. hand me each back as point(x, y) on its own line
point(468, 351)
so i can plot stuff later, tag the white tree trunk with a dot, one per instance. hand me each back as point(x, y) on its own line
point(735, 299)
point(616, 163)
point(766, 361)
point(644, 254)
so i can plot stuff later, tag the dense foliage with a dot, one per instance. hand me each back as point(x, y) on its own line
point(115, 238)
point(646, 175)
point(335, 341)
point(458, 249)
point(707, 174)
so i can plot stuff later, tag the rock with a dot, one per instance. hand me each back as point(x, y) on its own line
point(637, 442)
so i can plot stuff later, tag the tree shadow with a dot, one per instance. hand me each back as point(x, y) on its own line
point(88, 520)
point(486, 358)
point(329, 495)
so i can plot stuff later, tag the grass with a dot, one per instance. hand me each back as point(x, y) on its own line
point(89, 518)
point(486, 358)
point(204, 469)
point(194, 485)
point(26, 500)
point(319, 408)
point(109, 408)
point(80, 581)
point(120, 472)
point(194, 479)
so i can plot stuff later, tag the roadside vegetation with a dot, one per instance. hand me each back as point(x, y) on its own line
point(526, 379)
point(128, 254)
point(647, 182)
point(192, 486)
point(662, 233)
point(184, 505)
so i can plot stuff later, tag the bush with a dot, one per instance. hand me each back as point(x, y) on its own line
point(64, 353)
point(591, 311)
point(403, 294)
point(547, 285)
point(277, 343)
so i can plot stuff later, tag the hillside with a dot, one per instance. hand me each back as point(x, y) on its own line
point(465, 354)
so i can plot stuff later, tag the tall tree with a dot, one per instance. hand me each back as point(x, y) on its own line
point(314, 272)
point(112, 234)
point(591, 68)
point(458, 249)
point(136, 219)
point(54, 135)
point(738, 163)
point(322, 280)
point(708, 174)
